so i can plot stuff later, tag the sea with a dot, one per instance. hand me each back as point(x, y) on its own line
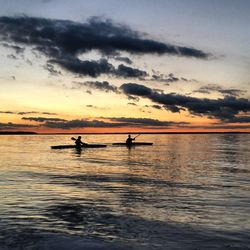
point(186, 191)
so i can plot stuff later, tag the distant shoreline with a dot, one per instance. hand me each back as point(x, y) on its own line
point(17, 133)
point(117, 133)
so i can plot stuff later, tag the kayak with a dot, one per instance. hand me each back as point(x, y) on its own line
point(82, 146)
point(133, 144)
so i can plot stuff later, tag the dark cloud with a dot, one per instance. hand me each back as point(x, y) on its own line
point(95, 68)
point(7, 112)
point(210, 88)
point(231, 127)
point(17, 49)
point(34, 112)
point(170, 78)
point(146, 122)
point(62, 41)
point(11, 125)
point(133, 98)
point(153, 106)
point(165, 78)
point(91, 68)
point(223, 109)
point(173, 108)
point(113, 122)
point(127, 72)
point(51, 68)
point(26, 112)
point(43, 119)
point(118, 122)
point(132, 104)
point(95, 107)
point(123, 59)
point(136, 89)
point(83, 124)
point(238, 119)
point(48, 113)
point(103, 86)
point(156, 106)
point(232, 92)
point(217, 126)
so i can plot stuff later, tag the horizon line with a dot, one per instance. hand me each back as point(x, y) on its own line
point(113, 133)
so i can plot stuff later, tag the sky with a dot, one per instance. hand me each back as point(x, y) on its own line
point(124, 66)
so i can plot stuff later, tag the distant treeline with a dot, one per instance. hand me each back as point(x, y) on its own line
point(121, 133)
point(17, 133)
point(149, 133)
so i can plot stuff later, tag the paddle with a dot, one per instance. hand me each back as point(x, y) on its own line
point(137, 136)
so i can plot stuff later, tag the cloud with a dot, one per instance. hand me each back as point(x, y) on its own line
point(12, 57)
point(91, 68)
point(146, 122)
point(222, 109)
point(210, 88)
point(7, 112)
point(17, 49)
point(231, 127)
point(95, 68)
point(123, 59)
point(62, 41)
point(48, 113)
point(82, 124)
point(165, 78)
point(238, 119)
point(43, 119)
point(156, 106)
point(133, 98)
point(95, 107)
point(217, 126)
point(136, 89)
point(50, 67)
point(170, 78)
point(112, 122)
point(26, 112)
point(127, 72)
point(103, 86)
point(11, 125)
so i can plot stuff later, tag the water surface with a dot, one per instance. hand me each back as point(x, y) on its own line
point(184, 192)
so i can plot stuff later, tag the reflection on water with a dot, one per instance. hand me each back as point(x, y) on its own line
point(185, 192)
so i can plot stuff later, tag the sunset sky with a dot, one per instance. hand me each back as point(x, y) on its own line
point(116, 66)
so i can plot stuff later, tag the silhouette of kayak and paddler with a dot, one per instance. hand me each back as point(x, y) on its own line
point(80, 144)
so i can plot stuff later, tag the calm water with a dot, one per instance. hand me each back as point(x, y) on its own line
point(185, 192)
